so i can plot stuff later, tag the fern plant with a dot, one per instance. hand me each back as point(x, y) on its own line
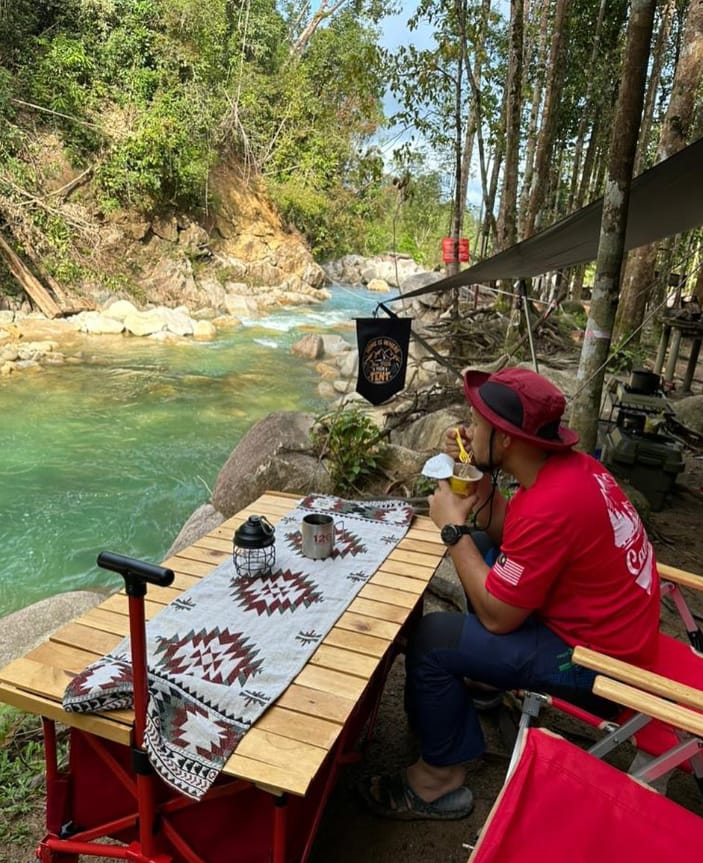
point(351, 444)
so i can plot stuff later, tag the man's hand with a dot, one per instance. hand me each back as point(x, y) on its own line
point(449, 508)
point(450, 445)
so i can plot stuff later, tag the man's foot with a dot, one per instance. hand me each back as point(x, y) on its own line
point(390, 796)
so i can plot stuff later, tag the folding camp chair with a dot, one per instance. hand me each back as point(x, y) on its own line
point(661, 740)
point(560, 803)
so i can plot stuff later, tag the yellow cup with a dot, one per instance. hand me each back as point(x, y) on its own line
point(464, 478)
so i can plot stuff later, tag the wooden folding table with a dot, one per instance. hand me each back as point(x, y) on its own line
point(268, 802)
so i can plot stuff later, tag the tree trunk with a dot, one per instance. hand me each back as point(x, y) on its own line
point(29, 283)
point(551, 109)
point(594, 353)
point(639, 278)
point(454, 266)
point(474, 116)
point(586, 118)
point(324, 11)
point(658, 56)
point(531, 133)
point(507, 214)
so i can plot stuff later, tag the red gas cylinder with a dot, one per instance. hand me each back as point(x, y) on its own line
point(448, 253)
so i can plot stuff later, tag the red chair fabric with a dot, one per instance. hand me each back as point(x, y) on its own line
point(680, 662)
point(560, 803)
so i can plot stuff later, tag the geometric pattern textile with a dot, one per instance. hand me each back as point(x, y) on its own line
point(222, 652)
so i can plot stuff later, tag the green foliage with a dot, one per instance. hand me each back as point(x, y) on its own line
point(164, 159)
point(21, 768)
point(152, 92)
point(624, 358)
point(352, 445)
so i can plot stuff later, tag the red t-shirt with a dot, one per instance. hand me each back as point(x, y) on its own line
point(575, 551)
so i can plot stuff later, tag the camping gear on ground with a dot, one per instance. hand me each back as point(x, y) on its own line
point(650, 462)
point(643, 381)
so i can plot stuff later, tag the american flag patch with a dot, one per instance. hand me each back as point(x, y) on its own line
point(508, 570)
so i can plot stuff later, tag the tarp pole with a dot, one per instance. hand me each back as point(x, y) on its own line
point(522, 289)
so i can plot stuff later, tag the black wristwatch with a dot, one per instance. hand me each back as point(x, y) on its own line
point(452, 533)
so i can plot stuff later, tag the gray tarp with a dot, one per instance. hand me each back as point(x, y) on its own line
point(664, 201)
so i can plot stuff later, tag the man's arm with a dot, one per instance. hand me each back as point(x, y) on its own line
point(497, 616)
point(492, 512)
point(447, 508)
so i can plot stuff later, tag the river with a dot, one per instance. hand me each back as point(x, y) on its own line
point(115, 451)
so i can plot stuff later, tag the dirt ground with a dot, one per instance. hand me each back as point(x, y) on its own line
point(349, 834)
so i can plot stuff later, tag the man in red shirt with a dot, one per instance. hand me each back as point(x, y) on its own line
point(575, 567)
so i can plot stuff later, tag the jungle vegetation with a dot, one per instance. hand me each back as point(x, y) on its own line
point(505, 117)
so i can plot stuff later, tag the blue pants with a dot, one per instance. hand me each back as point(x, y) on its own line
point(448, 647)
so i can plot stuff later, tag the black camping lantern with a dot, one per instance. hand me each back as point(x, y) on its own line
point(254, 552)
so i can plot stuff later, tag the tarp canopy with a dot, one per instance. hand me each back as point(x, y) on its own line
point(664, 201)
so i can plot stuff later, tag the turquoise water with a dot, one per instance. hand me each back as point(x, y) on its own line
point(115, 452)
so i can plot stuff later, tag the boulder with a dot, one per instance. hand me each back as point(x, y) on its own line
point(310, 347)
point(204, 519)
point(204, 330)
point(379, 286)
point(689, 411)
point(348, 363)
point(145, 323)
point(99, 324)
point(240, 305)
point(274, 454)
point(34, 350)
point(166, 228)
point(214, 293)
point(120, 309)
point(426, 434)
point(402, 463)
point(177, 322)
point(422, 280)
point(332, 344)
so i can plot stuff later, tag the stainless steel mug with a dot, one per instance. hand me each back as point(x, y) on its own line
point(318, 535)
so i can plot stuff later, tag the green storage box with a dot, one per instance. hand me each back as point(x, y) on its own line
point(650, 463)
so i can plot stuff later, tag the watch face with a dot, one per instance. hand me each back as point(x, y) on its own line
point(449, 534)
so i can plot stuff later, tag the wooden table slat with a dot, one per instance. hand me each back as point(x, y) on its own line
point(399, 582)
point(367, 625)
point(348, 662)
point(334, 682)
point(327, 705)
point(380, 610)
point(384, 594)
point(357, 641)
point(299, 726)
point(103, 725)
point(86, 638)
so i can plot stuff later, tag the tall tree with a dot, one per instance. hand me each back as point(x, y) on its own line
point(545, 144)
point(639, 278)
point(438, 90)
point(585, 410)
point(507, 214)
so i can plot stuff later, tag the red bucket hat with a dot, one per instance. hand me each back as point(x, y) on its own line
point(521, 403)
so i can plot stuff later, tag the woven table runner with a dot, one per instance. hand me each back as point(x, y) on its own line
point(222, 652)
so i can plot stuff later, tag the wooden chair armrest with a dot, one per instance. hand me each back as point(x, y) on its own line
point(680, 576)
point(650, 705)
point(644, 680)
